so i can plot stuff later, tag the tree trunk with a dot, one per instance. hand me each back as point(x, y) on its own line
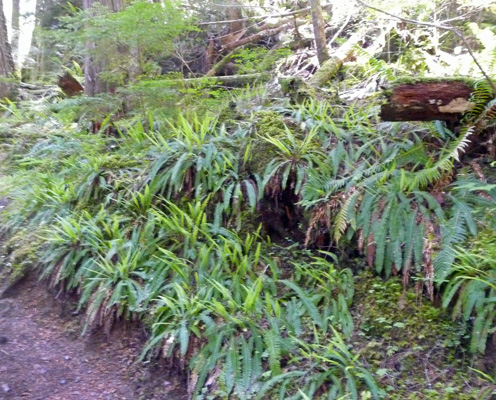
point(319, 31)
point(7, 87)
point(93, 83)
point(15, 32)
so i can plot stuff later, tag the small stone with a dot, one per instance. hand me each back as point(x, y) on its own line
point(67, 358)
point(77, 380)
point(43, 371)
point(63, 381)
point(5, 388)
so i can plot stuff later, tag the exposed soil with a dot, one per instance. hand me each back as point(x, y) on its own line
point(43, 356)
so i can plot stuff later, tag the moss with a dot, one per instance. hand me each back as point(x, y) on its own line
point(266, 123)
point(298, 90)
point(326, 72)
point(414, 348)
point(412, 80)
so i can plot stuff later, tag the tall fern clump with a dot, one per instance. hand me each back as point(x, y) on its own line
point(394, 194)
point(470, 289)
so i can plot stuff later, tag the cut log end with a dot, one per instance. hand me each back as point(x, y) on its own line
point(428, 101)
point(69, 85)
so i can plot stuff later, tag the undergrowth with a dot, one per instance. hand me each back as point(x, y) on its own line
point(189, 224)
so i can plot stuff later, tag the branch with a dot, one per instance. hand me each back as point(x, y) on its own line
point(222, 63)
point(340, 30)
point(443, 27)
point(270, 30)
point(301, 11)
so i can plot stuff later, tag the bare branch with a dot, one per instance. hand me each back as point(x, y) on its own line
point(443, 27)
point(301, 11)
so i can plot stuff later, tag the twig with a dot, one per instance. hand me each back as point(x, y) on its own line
point(340, 29)
point(443, 27)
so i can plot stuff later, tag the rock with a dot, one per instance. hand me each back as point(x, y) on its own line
point(5, 388)
point(63, 381)
point(67, 358)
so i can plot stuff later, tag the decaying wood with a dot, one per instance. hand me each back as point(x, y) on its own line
point(331, 67)
point(270, 31)
point(69, 85)
point(222, 63)
point(326, 72)
point(319, 31)
point(428, 101)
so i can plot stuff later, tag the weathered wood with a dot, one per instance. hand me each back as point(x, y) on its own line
point(319, 31)
point(331, 67)
point(69, 85)
point(428, 101)
point(326, 72)
point(221, 64)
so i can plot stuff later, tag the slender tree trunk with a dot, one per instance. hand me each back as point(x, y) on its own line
point(93, 83)
point(318, 30)
point(15, 32)
point(6, 62)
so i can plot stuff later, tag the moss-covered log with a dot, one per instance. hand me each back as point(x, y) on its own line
point(428, 100)
point(326, 72)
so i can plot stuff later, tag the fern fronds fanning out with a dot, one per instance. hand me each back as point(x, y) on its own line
point(421, 179)
point(481, 94)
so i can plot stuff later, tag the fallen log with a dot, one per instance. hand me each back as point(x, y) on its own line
point(69, 85)
point(443, 100)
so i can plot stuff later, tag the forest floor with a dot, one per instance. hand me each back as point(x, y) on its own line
point(43, 356)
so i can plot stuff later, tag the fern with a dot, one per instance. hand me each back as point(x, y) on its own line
point(273, 348)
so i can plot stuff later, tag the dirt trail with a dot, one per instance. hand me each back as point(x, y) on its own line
point(42, 355)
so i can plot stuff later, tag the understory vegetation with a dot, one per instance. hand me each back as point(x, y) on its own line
point(276, 241)
point(236, 241)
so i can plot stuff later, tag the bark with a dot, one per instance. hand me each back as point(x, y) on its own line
point(15, 32)
point(428, 101)
point(331, 67)
point(236, 24)
point(264, 31)
point(69, 85)
point(221, 64)
point(93, 67)
point(236, 16)
point(326, 72)
point(319, 31)
point(7, 87)
point(209, 55)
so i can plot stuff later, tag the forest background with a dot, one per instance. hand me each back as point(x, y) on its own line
point(252, 183)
